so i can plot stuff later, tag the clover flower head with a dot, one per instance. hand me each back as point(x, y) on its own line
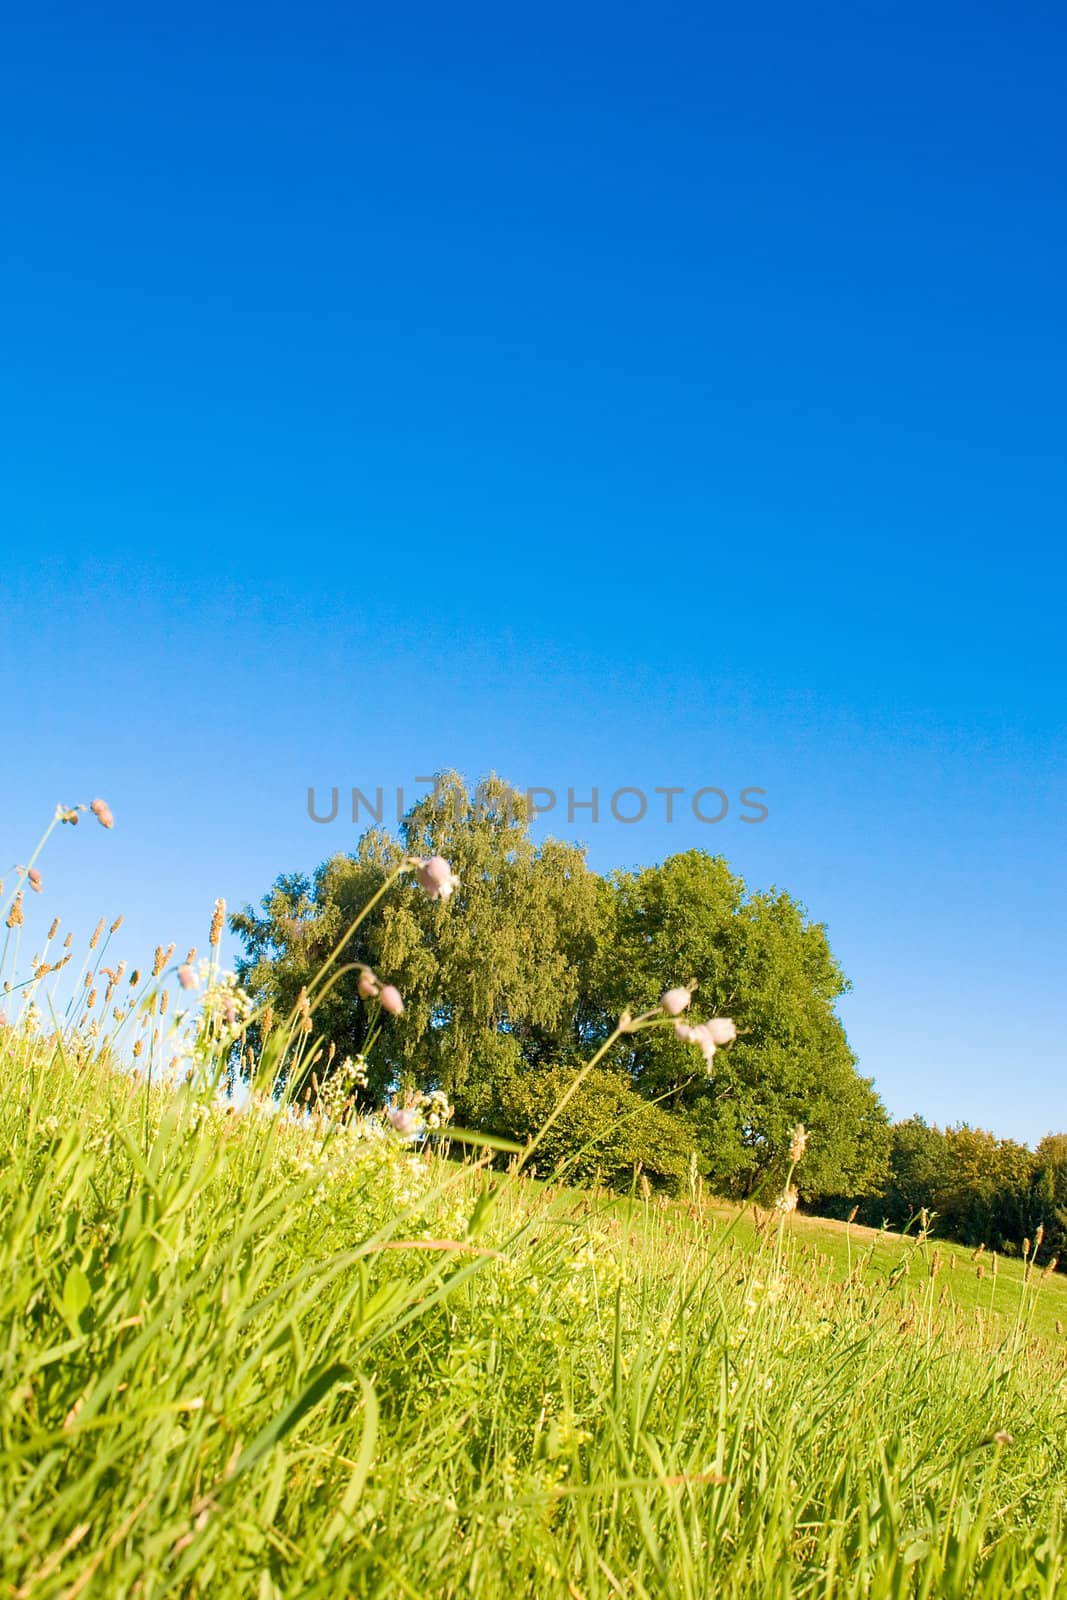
point(708, 1035)
point(435, 876)
point(675, 1001)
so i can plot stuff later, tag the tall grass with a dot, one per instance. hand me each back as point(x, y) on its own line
point(244, 1361)
point(248, 1354)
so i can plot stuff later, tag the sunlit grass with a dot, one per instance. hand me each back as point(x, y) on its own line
point(233, 1364)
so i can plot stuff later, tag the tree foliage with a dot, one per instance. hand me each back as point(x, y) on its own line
point(528, 966)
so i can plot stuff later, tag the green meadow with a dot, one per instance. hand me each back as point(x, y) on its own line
point(246, 1353)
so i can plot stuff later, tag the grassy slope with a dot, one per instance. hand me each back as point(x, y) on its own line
point(992, 1300)
point(242, 1359)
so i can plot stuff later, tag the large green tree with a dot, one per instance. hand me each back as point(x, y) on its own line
point(758, 959)
point(491, 978)
point(534, 957)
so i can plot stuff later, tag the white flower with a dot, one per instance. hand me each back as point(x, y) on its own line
point(435, 876)
point(675, 1001)
point(721, 1030)
point(708, 1035)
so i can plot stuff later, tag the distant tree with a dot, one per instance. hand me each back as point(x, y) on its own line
point(1049, 1189)
point(918, 1165)
point(983, 1193)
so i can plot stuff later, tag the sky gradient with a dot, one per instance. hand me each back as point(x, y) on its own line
point(597, 395)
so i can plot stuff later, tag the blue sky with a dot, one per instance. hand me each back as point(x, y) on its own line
point(601, 395)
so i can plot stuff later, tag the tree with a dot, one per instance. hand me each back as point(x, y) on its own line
point(605, 1129)
point(490, 979)
point(1049, 1192)
point(757, 959)
point(918, 1165)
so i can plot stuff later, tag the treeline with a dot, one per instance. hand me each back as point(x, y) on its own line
point(972, 1187)
point(510, 986)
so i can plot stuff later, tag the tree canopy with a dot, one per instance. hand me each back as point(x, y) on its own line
point(525, 970)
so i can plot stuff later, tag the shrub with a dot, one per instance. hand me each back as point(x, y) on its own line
point(606, 1127)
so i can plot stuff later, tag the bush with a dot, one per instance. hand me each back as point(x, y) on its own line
point(606, 1128)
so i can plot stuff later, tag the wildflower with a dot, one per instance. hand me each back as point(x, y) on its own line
point(102, 812)
point(355, 1071)
point(186, 976)
point(368, 984)
point(389, 1000)
point(68, 814)
point(799, 1143)
point(1003, 1437)
point(675, 1001)
point(708, 1035)
point(436, 877)
point(33, 878)
point(786, 1202)
point(405, 1120)
point(217, 920)
point(14, 916)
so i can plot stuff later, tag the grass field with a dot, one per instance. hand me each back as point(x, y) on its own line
point(242, 1356)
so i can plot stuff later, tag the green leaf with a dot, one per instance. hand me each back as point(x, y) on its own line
point(286, 1420)
point(77, 1294)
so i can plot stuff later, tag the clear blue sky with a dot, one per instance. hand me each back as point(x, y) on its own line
point(600, 394)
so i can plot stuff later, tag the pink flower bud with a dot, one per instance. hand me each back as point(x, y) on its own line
point(102, 812)
point(436, 877)
point(390, 1000)
point(34, 879)
point(187, 977)
point(675, 1001)
point(368, 984)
